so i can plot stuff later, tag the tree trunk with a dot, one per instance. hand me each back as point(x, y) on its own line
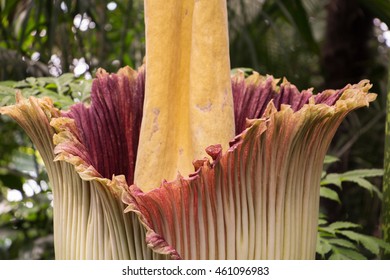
point(346, 51)
point(386, 177)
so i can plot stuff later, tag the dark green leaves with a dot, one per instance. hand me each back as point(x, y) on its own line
point(379, 8)
point(342, 241)
point(64, 90)
point(355, 176)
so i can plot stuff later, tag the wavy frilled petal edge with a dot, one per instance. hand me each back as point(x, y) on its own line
point(259, 199)
point(101, 142)
point(89, 222)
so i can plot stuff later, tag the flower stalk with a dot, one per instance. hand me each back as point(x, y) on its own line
point(188, 100)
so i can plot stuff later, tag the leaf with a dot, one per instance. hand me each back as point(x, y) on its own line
point(356, 176)
point(60, 89)
point(6, 90)
point(323, 246)
point(343, 225)
point(31, 81)
point(383, 244)
point(342, 243)
point(364, 184)
point(21, 84)
point(332, 179)
point(368, 242)
point(322, 216)
point(341, 253)
point(322, 222)
point(8, 84)
point(246, 71)
point(330, 159)
point(61, 100)
point(363, 173)
point(6, 101)
point(81, 89)
point(329, 194)
point(326, 233)
point(63, 82)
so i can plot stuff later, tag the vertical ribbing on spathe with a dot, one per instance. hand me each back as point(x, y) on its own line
point(89, 222)
point(260, 199)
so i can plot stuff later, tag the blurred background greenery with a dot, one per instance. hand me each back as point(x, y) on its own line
point(54, 47)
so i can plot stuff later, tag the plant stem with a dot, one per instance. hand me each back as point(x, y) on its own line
point(386, 176)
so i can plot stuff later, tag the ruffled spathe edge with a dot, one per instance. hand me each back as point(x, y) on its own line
point(100, 140)
point(108, 128)
point(26, 112)
point(351, 97)
point(213, 184)
point(170, 212)
point(89, 222)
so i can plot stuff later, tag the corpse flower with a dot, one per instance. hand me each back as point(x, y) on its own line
point(178, 160)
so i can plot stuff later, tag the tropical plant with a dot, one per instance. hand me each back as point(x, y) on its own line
point(345, 239)
point(386, 177)
point(186, 105)
point(40, 38)
point(26, 223)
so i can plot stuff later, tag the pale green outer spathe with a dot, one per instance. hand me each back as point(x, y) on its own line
point(260, 199)
point(89, 222)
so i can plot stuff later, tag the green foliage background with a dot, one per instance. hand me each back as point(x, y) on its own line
point(54, 47)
